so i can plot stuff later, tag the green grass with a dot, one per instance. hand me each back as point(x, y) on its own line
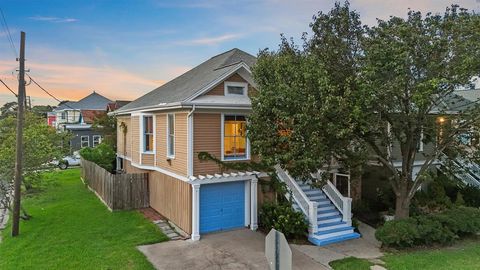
point(72, 229)
point(351, 263)
point(463, 256)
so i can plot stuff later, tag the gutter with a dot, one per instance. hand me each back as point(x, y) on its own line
point(190, 141)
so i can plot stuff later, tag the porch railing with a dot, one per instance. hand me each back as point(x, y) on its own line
point(309, 208)
point(343, 204)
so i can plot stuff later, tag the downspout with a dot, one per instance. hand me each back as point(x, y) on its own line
point(190, 142)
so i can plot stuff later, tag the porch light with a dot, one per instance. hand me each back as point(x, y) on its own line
point(441, 119)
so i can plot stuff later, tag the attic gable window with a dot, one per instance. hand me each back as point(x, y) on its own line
point(236, 89)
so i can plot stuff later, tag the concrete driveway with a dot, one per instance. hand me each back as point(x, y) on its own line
point(239, 249)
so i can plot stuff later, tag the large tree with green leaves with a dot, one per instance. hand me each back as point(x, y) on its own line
point(349, 93)
point(42, 144)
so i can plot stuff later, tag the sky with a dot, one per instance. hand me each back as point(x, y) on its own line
point(124, 49)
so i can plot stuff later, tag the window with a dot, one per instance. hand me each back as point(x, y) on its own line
point(234, 137)
point(97, 139)
point(420, 142)
point(171, 135)
point(84, 141)
point(235, 89)
point(147, 133)
point(64, 115)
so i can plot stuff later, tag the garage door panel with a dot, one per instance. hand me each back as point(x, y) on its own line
point(222, 206)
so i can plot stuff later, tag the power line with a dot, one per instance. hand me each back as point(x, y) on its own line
point(48, 93)
point(9, 36)
point(8, 87)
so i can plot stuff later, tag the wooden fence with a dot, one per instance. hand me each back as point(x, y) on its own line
point(117, 191)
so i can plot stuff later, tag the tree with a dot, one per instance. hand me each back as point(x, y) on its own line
point(107, 126)
point(8, 109)
point(350, 93)
point(42, 144)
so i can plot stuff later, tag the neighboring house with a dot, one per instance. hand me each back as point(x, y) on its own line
point(205, 110)
point(51, 118)
point(77, 117)
point(117, 104)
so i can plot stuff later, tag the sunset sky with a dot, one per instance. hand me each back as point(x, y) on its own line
point(123, 49)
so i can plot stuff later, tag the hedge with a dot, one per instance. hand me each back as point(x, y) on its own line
point(438, 228)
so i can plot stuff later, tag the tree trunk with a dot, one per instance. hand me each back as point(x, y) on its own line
point(402, 202)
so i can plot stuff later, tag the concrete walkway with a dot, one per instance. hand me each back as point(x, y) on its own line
point(239, 249)
point(366, 247)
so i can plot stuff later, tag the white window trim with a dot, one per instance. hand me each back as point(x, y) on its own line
point(81, 141)
point(99, 140)
point(236, 84)
point(168, 136)
point(247, 151)
point(142, 135)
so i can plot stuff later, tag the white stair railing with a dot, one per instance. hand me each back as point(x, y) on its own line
point(343, 204)
point(309, 208)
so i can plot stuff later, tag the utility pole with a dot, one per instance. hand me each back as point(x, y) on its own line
point(19, 146)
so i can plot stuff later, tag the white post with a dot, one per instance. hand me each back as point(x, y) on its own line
point(195, 212)
point(347, 210)
point(253, 204)
point(312, 216)
point(247, 203)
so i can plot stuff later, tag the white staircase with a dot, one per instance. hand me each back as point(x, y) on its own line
point(466, 171)
point(328, 212)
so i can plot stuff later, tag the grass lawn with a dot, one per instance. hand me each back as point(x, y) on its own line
point(462, 256)
point(72, 229)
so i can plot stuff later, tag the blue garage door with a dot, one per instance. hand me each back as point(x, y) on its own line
point(222, 206)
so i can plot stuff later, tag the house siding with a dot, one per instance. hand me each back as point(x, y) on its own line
point(124, 143)
point(172, 198)
point(178, 164)
point(207, 138)
point(135, 139)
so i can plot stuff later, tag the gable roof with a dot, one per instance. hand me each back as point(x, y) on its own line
point(94, 101)
point(191, 82)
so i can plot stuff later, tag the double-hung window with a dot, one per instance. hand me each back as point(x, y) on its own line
point(97, 139)
point(148, 133)
point(171, 135)
point(235, 137)
point(84, 141)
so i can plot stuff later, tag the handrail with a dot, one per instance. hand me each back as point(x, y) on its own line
point(464, 175)
point(343, 204)
point(308, 207)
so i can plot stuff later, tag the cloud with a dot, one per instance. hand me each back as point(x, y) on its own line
point(53, 19)
point(211, 40)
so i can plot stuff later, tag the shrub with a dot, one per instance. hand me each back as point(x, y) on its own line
point(441, 228)
point(471, 196)
point(283, 218)
point(401, 233)
point(103, 155)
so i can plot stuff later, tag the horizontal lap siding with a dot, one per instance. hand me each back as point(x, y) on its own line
point(135, 128)
point(207, 138)
point(148, 159)
point(177, 165)
point(124, 141)
point(172, 198)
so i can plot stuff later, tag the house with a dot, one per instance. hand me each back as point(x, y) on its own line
point(77, 117)
point(205, 110)
point(117, 104)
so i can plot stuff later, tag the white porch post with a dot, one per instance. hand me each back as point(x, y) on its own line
point(195, 212)
point(253, 203)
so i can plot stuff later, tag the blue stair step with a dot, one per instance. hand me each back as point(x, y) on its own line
point(328, 224)
point(333, 239)
point(334, 230)
point(329, 217)
point(319, 212)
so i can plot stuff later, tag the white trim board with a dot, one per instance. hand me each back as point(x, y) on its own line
point(154, 168)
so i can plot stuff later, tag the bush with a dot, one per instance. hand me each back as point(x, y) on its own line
point(103, 155)
point(440, 228)
point(283, 218)
point(471, 196)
